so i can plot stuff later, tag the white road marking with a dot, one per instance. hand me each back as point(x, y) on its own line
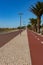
point(35, 36)
point(38, 39)
point(42, 36)
point(41, 42)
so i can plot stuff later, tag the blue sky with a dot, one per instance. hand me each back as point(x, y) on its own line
point(10, 9)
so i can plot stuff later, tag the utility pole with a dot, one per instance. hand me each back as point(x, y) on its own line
point(20, 14)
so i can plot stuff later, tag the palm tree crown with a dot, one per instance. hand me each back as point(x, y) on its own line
point(33, 23)
point(37, 9)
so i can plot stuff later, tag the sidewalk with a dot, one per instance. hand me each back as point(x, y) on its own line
point(16, 51)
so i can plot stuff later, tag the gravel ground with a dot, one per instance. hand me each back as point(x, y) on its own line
point(16, 51)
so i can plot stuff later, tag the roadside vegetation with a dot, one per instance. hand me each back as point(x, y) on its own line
point(22, 27)
point(6, 29)
point(11, 29)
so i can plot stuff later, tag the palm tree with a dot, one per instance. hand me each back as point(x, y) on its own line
point(33, 23)
point(37, 9)
point(29, 26)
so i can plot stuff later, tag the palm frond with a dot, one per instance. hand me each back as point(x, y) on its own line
point(37, 9)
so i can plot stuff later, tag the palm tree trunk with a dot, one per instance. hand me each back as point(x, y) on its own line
point(38, 24)
point(35, 27)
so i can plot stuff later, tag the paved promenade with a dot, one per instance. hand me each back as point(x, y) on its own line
point(16, 51)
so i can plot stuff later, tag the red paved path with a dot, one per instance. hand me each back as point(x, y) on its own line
point(4, 38)
point(36, 48)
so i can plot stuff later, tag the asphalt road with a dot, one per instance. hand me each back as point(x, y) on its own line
point(36, 47)
point(6, 37)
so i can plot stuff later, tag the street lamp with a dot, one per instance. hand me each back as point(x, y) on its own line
point(20, 14)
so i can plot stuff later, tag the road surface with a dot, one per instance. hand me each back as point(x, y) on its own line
point(36, 47)
point(6, 37)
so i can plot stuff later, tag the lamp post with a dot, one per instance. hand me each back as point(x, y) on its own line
point(20, 14)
